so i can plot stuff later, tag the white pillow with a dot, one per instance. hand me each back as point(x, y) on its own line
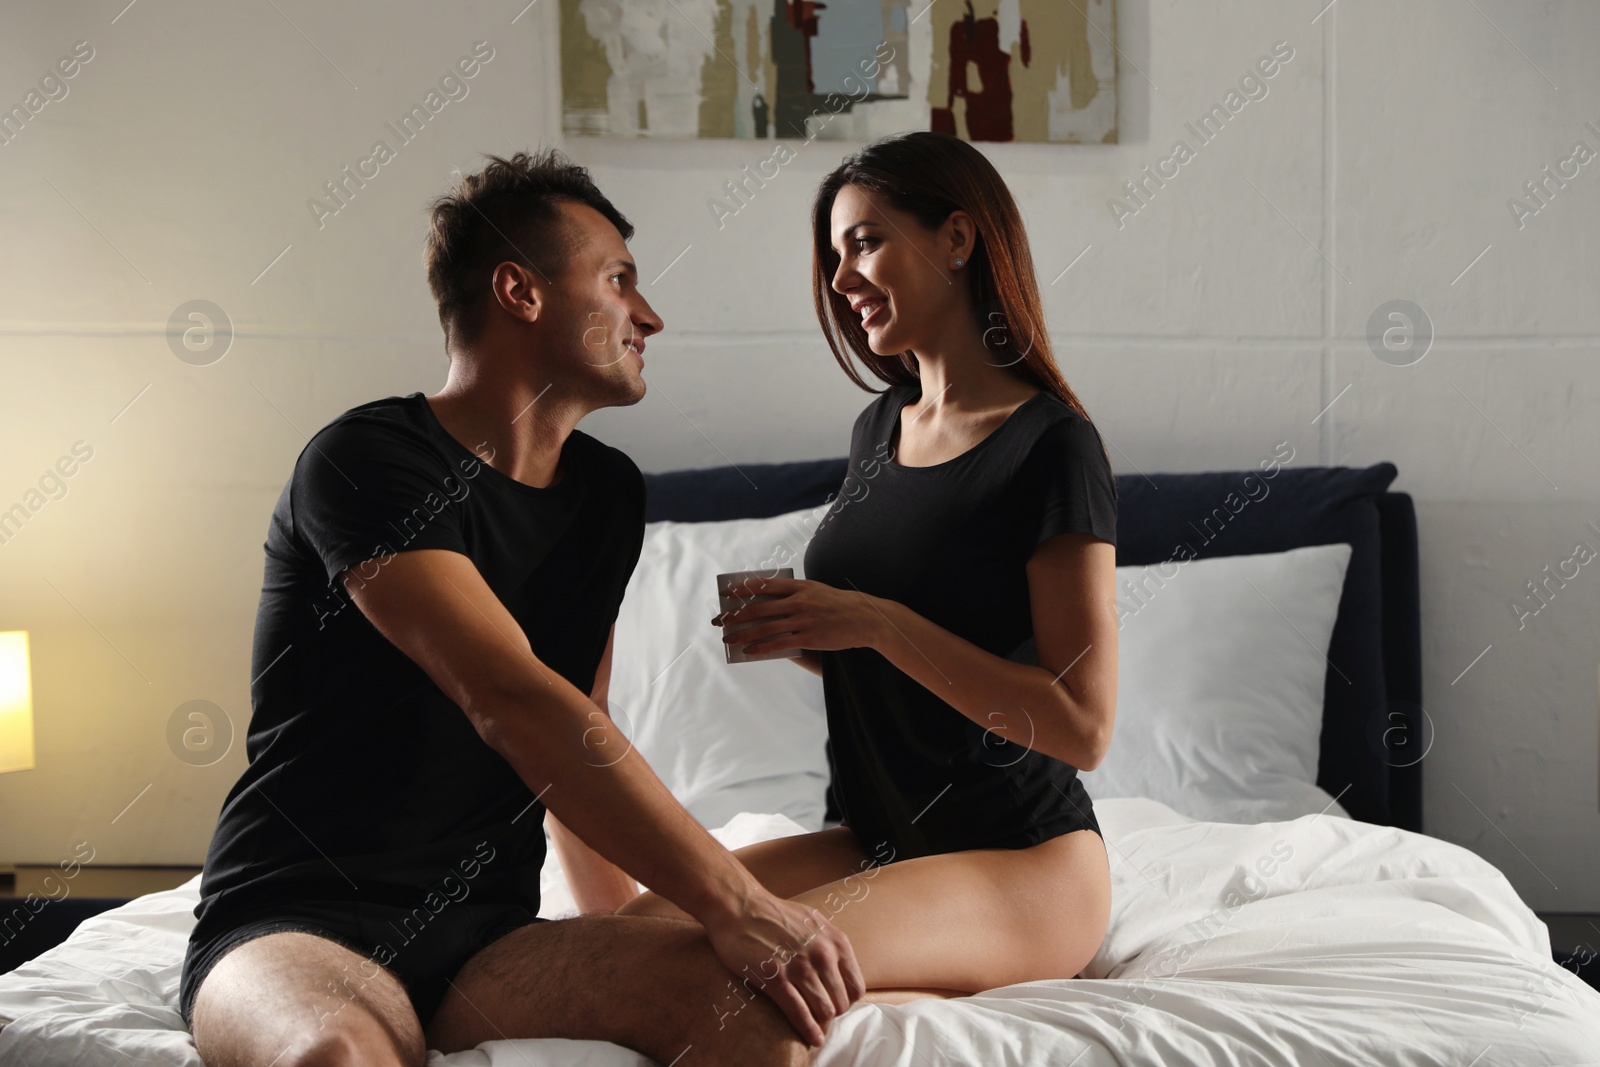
point(1221, 665)
point(724, 737)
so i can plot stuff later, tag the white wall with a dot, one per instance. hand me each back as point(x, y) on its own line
point(1217, 322)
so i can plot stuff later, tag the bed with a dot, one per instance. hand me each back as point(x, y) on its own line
point(1274, 897)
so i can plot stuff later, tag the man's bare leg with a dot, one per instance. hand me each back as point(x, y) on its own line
point(296, 1000)
point(649, 983)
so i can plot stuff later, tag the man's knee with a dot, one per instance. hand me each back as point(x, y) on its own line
point(345, 1046)
point(358, 1040)
point(274, 1000)
point(726, 1018)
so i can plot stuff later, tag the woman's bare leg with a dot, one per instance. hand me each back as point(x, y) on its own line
point(1001, 915)
point(902, 996)
point(787, 867)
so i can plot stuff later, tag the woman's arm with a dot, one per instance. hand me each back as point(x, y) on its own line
point(809, 659)
point(598, 885)
point(1062, 707)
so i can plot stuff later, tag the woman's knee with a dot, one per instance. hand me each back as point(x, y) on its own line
point(649, 903)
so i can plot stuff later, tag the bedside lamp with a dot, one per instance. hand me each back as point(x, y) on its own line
point(16, 703)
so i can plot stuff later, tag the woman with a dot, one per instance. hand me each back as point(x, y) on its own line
point(960, 605)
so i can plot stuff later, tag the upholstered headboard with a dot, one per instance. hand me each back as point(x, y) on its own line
point(1374, 731)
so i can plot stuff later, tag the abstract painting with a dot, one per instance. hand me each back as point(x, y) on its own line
point(984, 70)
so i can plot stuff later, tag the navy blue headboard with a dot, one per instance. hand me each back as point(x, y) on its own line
point(1373, 724)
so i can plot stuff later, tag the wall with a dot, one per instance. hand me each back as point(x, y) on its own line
point(1225, 315)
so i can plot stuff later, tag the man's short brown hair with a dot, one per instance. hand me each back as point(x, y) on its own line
point(509, 211)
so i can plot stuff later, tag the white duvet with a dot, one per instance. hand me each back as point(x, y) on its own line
point(1319, 940)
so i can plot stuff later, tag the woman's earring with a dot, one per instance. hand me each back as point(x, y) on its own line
point(959, 262)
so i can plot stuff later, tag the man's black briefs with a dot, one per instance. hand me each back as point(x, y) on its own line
point(423, 949)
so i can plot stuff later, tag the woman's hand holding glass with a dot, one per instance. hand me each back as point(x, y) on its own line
point(801, 614)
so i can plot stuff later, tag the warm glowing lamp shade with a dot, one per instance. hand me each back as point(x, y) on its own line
point(16, 703)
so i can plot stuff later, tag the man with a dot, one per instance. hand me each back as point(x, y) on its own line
point(443, 575)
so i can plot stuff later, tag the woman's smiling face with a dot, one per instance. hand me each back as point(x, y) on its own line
point(894, 272)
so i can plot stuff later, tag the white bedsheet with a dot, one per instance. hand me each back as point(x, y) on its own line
point(1350, 944)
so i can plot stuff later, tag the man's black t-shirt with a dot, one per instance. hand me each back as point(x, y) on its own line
point(366, 782)
point(951, 542)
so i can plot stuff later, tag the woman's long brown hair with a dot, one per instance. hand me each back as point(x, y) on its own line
point(929, 175)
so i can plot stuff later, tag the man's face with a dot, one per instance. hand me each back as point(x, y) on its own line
point(596, 320)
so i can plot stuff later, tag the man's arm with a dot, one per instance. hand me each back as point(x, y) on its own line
point(435, 607)
point(598, 885)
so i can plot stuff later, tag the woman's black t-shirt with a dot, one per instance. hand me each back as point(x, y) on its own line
point(951, 542)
